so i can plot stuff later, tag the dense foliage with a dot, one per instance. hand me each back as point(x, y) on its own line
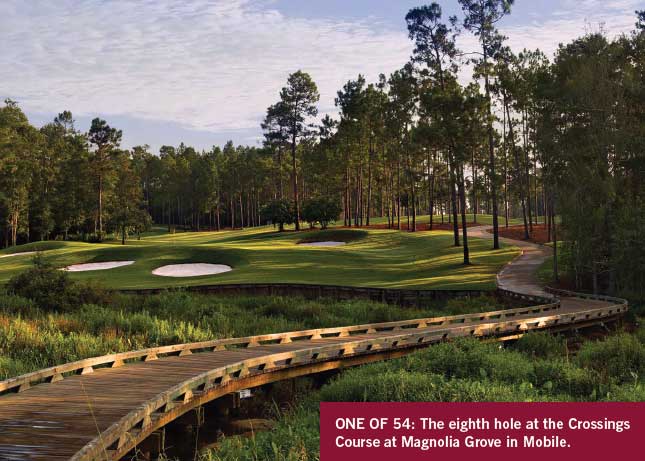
point(321, 211)
point(52, 290)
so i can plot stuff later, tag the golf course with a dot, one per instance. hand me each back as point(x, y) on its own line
point(367, 258)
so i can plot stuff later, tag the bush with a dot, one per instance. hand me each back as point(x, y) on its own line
point(626, 393)
point(279, 212)
point(640, 334)
point(472, 305)
point(43, 284)
point(620, 358)
point(562, 377)
point(321, 210)
point(364, 385)
point(541, 344)
point(52, 289)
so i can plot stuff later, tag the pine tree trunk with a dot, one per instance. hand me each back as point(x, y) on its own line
point(295, 182)
point(518, 169)
point(464, 221)
point(368, 211)
point(474, 186)
point(453, 199)
point(491, 154)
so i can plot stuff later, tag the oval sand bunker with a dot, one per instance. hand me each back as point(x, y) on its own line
point(323, 244)
point(97, 266)
point(191, 270)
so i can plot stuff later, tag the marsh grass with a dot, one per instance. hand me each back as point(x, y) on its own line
point(32, 338)
point(465, 370)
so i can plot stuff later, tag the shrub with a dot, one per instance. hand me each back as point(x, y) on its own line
point(620, 358)
point(295, 438)
point(541, 344)
point(43, 284)
point(279, 212)
point(640, 334)
point(364, 385)
point(52, 289)
point(626, 393)
point(563, 377)
point(471, 305)
point(321, 210)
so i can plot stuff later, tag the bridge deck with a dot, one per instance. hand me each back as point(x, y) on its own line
point(54, 421)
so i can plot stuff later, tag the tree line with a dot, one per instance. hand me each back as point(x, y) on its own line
point(525, 137)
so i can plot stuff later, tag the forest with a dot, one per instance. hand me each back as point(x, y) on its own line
point(548, 141)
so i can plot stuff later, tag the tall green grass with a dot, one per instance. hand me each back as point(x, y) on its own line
point(32, 338)
point(537, 368)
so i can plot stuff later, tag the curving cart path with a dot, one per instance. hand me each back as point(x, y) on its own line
point(101, 408)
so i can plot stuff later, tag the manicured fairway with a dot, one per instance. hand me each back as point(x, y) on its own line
point(379, 258)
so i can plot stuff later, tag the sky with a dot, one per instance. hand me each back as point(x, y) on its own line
point(204, 71)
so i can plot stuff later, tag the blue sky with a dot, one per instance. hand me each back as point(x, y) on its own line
point(204, 71)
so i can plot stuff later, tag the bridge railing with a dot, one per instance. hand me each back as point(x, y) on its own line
point(596, 297)
point(134, 427)
point(57, 373)
point(526, 297)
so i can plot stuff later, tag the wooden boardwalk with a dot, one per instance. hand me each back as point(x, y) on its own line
point(99, 409)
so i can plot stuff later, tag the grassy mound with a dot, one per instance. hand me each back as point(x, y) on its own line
point(334, 235)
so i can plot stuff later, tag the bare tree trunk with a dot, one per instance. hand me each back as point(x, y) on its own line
point(519, 172)
point(413, 195)
point(398, 193)
point(505, 148)
point(218, 214)
point(556, 275)
point(369, 186)
point(464, 222)
point(474, 185)
point(232, 208)
point(491, 153)
point(280, 182)
point(527, 172)
point(295, 183)
point(241, 212)
point(453, 199)
point(100, 216)
point(431, 187)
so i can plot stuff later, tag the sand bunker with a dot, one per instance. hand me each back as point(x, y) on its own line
point(97, 266)
point(19, 254)
point(191, 270)
point(323, 244)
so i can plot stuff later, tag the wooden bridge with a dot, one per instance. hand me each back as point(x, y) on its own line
point(103, 408)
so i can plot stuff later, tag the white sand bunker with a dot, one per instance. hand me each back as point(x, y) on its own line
point(97, 266)
point(191, 270)
point(323, 244)
point(19, 254)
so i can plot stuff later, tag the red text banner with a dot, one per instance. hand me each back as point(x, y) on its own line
point(482, 431)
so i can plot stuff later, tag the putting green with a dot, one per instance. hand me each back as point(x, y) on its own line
point(373, 258)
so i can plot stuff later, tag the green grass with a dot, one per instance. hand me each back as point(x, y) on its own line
point(465, 370)
point(377, 258)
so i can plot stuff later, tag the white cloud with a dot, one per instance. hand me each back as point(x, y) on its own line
point(217, 64)
point(572, 20)
point(212, 65)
